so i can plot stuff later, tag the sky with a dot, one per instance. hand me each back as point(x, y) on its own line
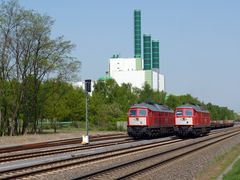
point(199, 40)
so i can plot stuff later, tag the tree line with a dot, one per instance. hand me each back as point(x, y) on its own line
point(58, 100)
point(110, 102)
point(35, 71)
point(28, 57)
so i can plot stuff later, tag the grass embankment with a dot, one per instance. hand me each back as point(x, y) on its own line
point(217, 167)
point(234, 173)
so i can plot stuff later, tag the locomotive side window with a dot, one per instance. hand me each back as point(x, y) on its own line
point(188, 112)
point(142, 112)
point(133, 112)
point(179, 112)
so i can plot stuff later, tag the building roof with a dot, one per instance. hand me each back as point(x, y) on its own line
point(104, 78)
point(153, 107)
point(193, 106)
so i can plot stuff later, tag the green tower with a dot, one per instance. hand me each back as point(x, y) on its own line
point(147, 52)
point(137, 34)
point(155, 54)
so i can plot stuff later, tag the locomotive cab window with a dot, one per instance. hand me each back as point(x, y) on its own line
point(142, 112)
point(179, 112)
point(133, 112)
point(188, 112)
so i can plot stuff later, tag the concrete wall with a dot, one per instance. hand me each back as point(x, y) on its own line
point(122, 64)
point(155, 80)
point(122, 125)
point(161, 82)
point(136, 78)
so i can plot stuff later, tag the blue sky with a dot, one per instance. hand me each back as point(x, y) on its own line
point(199, 40)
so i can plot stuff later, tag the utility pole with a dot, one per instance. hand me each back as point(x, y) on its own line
point(86, 113)
point(85, 139)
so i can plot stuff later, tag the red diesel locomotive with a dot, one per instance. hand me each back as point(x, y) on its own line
point(150, 120)
point(192, 120)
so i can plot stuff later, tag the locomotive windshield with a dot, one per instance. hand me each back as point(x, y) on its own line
point(188, 112)
point(133, 112)
point(179, 112)
point(139, 112)
point(142, 112)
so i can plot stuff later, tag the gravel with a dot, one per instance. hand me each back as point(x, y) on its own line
point(185, 168)
point(189, 167)
point(86, 168)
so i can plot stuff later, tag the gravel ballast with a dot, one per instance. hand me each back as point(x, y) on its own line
point(185, 168)
point(190, 167)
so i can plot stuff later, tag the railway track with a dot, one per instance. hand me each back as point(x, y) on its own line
point(173, 157)
point(14, 157)
point(135, 168)
point(58, 143)
point(74, 159)
point(84, 160)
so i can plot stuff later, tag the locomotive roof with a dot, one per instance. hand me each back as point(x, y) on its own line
point(196, 107)
point(153, 107)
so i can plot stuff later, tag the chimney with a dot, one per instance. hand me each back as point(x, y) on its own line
point(137, 34)
point(147, 52)
point(155, 54)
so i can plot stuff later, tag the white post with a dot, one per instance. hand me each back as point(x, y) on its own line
point(85, 139)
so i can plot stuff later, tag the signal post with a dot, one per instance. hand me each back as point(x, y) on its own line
point(85, 138)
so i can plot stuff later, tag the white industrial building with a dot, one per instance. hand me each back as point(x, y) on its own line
point(130, 70)
point(143, 68)
point(138, 70)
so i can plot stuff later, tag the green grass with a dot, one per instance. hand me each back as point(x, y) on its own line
point(234, 173)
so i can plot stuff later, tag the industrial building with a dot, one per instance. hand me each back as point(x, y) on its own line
point(139, 70)
point(130, 70)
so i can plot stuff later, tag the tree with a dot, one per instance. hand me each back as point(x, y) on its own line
point(146, 94)
point(30, 56)
point(172, 101)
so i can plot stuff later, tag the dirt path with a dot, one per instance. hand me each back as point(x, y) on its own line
point(42, 137)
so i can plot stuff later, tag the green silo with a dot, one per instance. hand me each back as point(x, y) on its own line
point(155, 54)
point(137, 34)
point(147, 52)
